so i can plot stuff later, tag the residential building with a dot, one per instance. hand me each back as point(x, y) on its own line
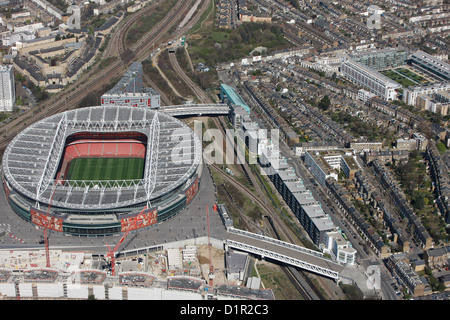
point(324, 164)
point(340, 249)
point(360, 147)
point(431, 65)
point(437, 257)
point(380, 59)
point(11, 39)
point(371, 79)
point(365, 96)
point(405, 144)
point(399, 266)
point(319, 168)
point(312, 146)
point(342, 199)
point(7, 88)
point(441, 178)
point(411, 94)
point(238, 116)
point(385, 156)
point(417, 142)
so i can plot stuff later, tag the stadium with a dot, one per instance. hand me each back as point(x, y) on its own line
point(102, 170)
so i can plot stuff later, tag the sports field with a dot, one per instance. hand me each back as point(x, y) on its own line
point(100, 169)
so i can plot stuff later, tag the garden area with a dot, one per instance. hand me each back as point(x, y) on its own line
point(213, 46)
point(399, 78)
point(405, 77)
point(210, 45)
point(412, 75)
point(417, 185)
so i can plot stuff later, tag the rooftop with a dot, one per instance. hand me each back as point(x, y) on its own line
point(31, 159)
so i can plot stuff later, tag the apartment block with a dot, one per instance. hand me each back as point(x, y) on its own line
point(7, 88)
point(326, 165)
point(339, 248)
point(431, 65)
point(380, 59)
point(411, 94)
point(371, 79)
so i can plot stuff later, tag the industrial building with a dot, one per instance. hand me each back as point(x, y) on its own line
point(130, 91)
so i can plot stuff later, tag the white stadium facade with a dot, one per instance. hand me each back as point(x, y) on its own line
point(35, 162)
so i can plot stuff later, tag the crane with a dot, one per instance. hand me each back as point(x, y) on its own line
point(112, 253)
point(211, 267)
point(47, 249)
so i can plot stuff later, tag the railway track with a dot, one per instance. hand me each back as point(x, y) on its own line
point(300, 280)
point(164, 98)
point(117, 41)
point(181, 31)
point(201, 95)
point(204, 98)
point(95, 80)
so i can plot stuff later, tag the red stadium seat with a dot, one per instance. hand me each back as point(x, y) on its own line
point(102, 148)
point(124, 149)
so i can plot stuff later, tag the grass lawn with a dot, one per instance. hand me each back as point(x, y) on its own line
point(412, 75)
point(101, 169)
point(399, 78)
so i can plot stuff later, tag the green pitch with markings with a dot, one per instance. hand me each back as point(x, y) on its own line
point(101, 169)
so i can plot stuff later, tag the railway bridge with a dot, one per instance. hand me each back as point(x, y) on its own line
point(189, 110)
point(285, 252)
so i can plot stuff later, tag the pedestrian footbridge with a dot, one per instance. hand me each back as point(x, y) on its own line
point(286, 252)
point(189, 110)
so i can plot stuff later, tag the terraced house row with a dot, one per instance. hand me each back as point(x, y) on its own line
point(405, 210)
point(369, 193)
point(439, 173)
point(342, 198)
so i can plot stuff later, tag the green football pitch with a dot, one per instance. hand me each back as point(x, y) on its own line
point(100, 169)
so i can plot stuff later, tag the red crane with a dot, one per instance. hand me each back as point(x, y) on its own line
point(47, 249)
point(211, 267)
point(112, 253)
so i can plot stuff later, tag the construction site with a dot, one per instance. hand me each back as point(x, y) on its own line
point(190, 272)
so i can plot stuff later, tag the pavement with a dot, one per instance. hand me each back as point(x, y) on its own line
point(188, 223)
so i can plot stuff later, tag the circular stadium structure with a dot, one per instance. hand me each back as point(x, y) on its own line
point(102, 170)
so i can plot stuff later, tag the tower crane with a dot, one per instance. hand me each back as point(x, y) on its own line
point(112, 253)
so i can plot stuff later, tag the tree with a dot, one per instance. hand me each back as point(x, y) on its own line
point(324, 103)
point(418, 202)
point(441, 147)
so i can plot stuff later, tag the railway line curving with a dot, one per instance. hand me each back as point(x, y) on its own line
point(95, 80)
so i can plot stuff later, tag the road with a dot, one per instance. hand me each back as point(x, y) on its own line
point(298, 277)
point(24, 235)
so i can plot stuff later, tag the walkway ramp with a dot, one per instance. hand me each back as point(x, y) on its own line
point(186, 110)
point(266, 247)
